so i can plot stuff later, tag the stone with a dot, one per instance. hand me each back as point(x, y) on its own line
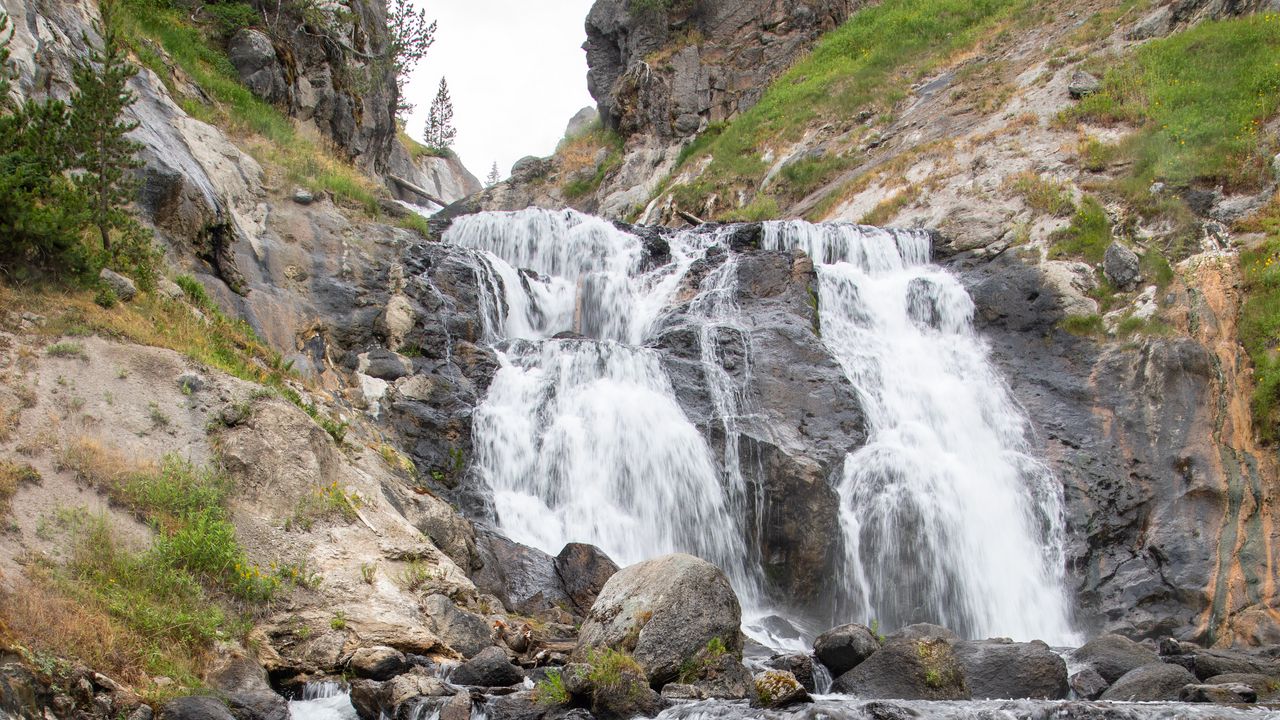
point(801, 666)
point(1224, 693)
point(523, 578)
point(254, 58)
point(996, 669)
point(1150, 683)
point(378, 662)
point(1122, 266)
point(1113, 655)
point(1083, 84)
point(1267, 688)
point(1088, 684)
point(922, 631)
point(123, 287)
point(467, 633)
point(243, 682)
point(1209, 663)
point(386, 365)
point(682, 691)
point(195, 708)
point(776, 689)
point(581, 122)
point(908, 669)
point(190, 383)
point(842, 648)
point(489, 668)
point(584, 570)
point(1157, 23)
point(530, 168)
point(724, 678)
point(1275, 166)
point(302, 196)
point(665, 612)
point(169, 289)
point(370, 696)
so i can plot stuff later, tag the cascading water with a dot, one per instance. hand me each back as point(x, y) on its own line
point(946, 515)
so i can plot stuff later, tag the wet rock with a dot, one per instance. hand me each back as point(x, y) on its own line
point(908, 669)
point(378, 662)
point(584, 570)
point(842, 648)
point(370, 697)
point(465, 632)
point(1001, 670)
point(800, 666)
point(515, 706)
point(387, 365)
point(302, 196)
point(1209, 663)
point(523, 578)
point(195, 708)
point(1121, 266)
point(244, 684)
point(1088, 684)
point(664, 612)
point(1149, 683)
point(254, 58)
point(123, 287)
point(1083, 84)
point(22, 694)
point(1113, 655)
point(489, 668)
point(922, 631)
point(1222, 693)
point(1266, 688)
point(776, 689)
point(682, 691)
point(725, 678)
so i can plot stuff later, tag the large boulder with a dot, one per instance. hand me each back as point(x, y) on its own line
point(1224, 693)
point(490, 668)
point(842, 648)
point(1088, 684)
point(1266, 688)
point(243, 683)
point(908, 669)
point(196, 707)
point(378, 662)
point(1113, 655)
point(523, 578)
point(467, 633)
point(1122, 266)
point(922, 631)
point(254, 58)
point(996, 669)
point(1150, 683)
point(371, 698)
point(1208, 663)
point(664, 612)
point(583, 570)
point(775, 689)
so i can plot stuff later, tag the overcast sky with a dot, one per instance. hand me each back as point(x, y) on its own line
point(516, 72)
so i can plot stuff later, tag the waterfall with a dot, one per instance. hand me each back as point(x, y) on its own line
point(946, 515)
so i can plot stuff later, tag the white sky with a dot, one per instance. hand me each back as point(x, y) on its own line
point(516, 73)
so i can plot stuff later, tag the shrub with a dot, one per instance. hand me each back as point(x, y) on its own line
point(1045, 196)
point(232, 17)
point(1086, 237)
point(66, 350)
point(551, 691)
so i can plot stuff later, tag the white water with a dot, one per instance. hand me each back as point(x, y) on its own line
point(946, 515)
point(323, 701)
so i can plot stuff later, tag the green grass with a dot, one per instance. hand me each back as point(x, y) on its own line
point(1083, 325)
point(551, 691)
point(1259, 330)
point(1045, 196)
point(66, 350)
point(233, 107)
point(799, 178)
point(866, 64)
point(889, 208)
point(1200, 98)
point(613, 671)
point(1088, 235)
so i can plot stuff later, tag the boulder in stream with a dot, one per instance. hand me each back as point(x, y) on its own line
point(1150, 683)
point(1000, 669)
point(1111, 656)
point(842, 648)
point(908, 669)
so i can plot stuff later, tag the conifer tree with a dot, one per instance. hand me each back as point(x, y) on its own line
point(494, 178)
point(106, 154)
point(411, 36)
point(440, 131)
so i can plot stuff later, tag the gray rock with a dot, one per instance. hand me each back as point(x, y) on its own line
point(1209, 663)
point(1157, 23)
point(254, 58)
point(169, 289)
point(387, 365)
point(1088, 684)
point(800, 666)
point(245, 686)
point(1275, 166)
point(581, 122)
point(530, 168)
point(1083, 84)
point(123, 287)
point(195, 708)
point(584, 570)
point(370, 697)
point(190, 383)
point(378, 662)
point(142, 712)
point(465, 632)
point(1150, 683)
point(842, 648)
point(724, 678)
point(922, 631)
point(523, 578)
point(1267, 688)
point(1122, 266)
point(489, 668)
point(1113, 655)
point(664, 611)
point(1222, 693)
point(682, 691)
point(302, 196)
point(908, 669)
point(1007, 670)
point(776, 689)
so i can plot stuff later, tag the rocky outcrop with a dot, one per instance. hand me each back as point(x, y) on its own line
point(664, 612)
point(999, 669)
point(842, 648)
point(670, 68)
point(1111, 656)
point(907, 669)
point(1149, 683)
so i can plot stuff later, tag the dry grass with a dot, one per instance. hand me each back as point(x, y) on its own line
point(12, 477)
point(100, 467)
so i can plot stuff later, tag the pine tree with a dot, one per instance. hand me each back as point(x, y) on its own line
point(106, 154)
point(440, 131)
point(494, 178)
point(411, 37)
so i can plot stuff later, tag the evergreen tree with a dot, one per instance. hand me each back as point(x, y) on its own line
point(440, 130)
point(411, 37)
point(40, 209)
point(106, 154)
point(494, 178)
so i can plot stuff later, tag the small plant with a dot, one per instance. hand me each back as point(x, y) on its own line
point(551, 691)
point(613, 671)
point(875, 630)
point(12, 477)
point(299, 574)
point(66, 350)
point(1043, 195)
point(1086, 237)
point(329, 501)
point(368, 572)
point(105, 297)
point(339, 621)
point(158, 418)
point(1083, 325)
point(417, 574)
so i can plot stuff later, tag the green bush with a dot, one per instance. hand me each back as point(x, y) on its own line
point(231, 17)
point(1088, 235)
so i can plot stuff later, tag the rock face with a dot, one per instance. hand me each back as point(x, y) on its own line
point(744, 45)
point(1159, 681)
point(254, 58)
point(584, 570)
point(842, 648)
point(995, 669)
point(906, 669)
point(664, 612)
